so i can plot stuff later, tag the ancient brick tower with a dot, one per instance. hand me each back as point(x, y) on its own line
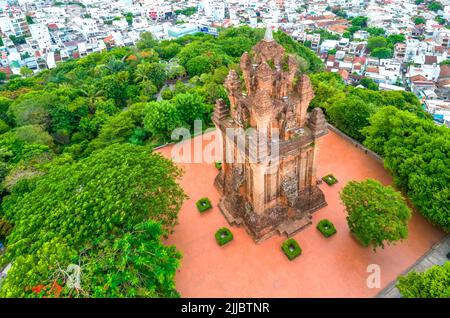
point(268, 194)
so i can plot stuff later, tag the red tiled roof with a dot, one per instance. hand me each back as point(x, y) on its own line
point(445, 71)
point(6, 70)
point(439, 49)
point(418, 78)
point(359, 60)
point(348, 59)
point(108, 39)
point(430, 59)
point(344, 74)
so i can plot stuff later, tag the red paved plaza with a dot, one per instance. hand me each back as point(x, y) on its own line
point(333, 267)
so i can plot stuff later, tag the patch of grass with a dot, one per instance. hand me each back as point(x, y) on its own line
point(223, 236)
point(326, 228)
point(218, 165)
point(330, 179)
point(203, 205)
point(291, 248)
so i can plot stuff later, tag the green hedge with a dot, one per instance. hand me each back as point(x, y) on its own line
point(326, 228)
point(223, 236)
point(330, 179)
point(291, 248)
point(203, 205)
point(432, 283)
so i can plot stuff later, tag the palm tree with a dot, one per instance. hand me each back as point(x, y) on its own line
point(142, 72)
point(114, 65)
point(93, 95)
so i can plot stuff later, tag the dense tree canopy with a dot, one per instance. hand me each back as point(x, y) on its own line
point(333, 96)
point(359, 21)
point(369, 83)
point(433, 283)
point(99, 211)
point(435, 6)
point(414, 149)
point(375, 214)
point(417, 153)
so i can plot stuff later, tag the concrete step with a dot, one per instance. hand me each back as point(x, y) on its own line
point(291, 228)
point(230, 218)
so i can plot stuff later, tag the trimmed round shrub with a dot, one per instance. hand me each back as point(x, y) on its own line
point(203, 205)
point(326, 228)
point(291, 248)
point(223, 236)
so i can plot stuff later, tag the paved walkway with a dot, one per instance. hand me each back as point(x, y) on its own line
point(329, 267)
point(437, 255)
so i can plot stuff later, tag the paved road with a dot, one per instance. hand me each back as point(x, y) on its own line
point(437, 255)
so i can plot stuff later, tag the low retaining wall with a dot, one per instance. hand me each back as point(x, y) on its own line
point(367, 151)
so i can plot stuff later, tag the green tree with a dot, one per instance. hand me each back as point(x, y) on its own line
point(332, 51)
point(415, 151)
point(328, 88)
point(3, 126)
point(375, 214)
point(199, 65)
point(34, 134)
point(29, 19)
point(154, 72)
point(396, 38)
point(360, 22)
point(161, 118)
point(33, 109)
point(440, 20)
point(351, 115)
point(167, 94)
point(376, 42)
point(103, 211)
point(17, 40)
point(157, 74)
point(168, 49)
point(187, 11)
point(25, 71)
point(381, 53)
point(369, 83)
point(2, 76)
point(129, 18)
point(419, 20)
point(432, 283)
point(374, 31)
point(146, 41)
point(115, 87)
point(190, 107)
point(435, 6)
point(118, 128)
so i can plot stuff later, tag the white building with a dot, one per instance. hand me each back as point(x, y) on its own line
point(39, 33)
point(214, 9)
point(328, 45)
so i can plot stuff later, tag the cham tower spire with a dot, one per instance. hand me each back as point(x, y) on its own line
point(267, 181)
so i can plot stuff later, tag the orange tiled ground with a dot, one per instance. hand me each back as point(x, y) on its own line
point(333, 267)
